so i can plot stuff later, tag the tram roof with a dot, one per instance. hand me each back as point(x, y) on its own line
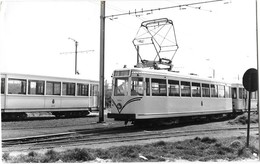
point(171, 74)
point(46, 77)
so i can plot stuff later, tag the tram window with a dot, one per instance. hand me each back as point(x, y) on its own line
point(36, 87)
point(221, 91)
point(53, 88)
point(147, 81)
point(159, 87)
point(82, 89)
point(242, 93)
point(253, 95)
point(195, 88)
point(205, 90)
point(68, 89)
point(16, 86)
point(2, 85)
point(185, 89)
point(137, 88)
point(214, 90)
point(121, 86)
point(94, 90)
point(227, 92)
point(234, 93)
point(174, 88)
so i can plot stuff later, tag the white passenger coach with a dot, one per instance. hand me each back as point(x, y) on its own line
point(240, 98)
point(142, 94)
point(63, 97)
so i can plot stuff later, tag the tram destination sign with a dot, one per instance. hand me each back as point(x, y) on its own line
point(250, 80)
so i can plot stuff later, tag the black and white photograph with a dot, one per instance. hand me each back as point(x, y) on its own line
point(123, 81)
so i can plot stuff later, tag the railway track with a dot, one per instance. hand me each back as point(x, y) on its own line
point(101, 136)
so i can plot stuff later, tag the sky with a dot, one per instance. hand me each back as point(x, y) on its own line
point(219, 36)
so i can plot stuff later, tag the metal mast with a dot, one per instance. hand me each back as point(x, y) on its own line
point(76, 55)
point(102, 63)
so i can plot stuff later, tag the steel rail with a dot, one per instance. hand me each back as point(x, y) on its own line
point(103, 137)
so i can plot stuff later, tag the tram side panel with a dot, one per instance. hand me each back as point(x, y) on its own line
point(23, 103)
point(165, 107)
point(75, 103)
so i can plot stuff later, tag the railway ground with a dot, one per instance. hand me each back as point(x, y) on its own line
point(76, 124)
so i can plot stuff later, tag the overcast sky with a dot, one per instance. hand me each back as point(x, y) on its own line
point(34, 34)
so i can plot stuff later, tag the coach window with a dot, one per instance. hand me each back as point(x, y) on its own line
point(174, 88)
point(137, 88)
point(159, 87)
point(227, 92)
point(185, 89)
point(94, 89)
point(205, 90)
point(68, 89)
point(221, 91)
point(214, 90)
point(253, 95)
point(36, 87)
point(2, 85)
point(82, 89)
point(242, 93)
point(195, 88)
point(53, 88)
point(147, 81)
point(121, 86)
point(234, 93)
point(16, 86)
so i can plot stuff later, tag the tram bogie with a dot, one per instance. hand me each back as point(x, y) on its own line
point(63, 97)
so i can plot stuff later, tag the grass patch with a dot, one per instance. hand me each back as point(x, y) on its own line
point(243, 119)
point(197, 149)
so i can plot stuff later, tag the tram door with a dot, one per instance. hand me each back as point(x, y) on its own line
point(3, 97)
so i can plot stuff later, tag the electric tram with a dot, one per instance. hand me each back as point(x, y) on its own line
point(141, 94)
point(63, 97)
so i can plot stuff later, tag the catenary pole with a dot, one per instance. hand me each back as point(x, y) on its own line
point(102, 62)
point(258, 100)
point(76, 57)
point(76, 54)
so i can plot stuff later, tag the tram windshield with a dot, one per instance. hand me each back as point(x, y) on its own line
point(121, 86)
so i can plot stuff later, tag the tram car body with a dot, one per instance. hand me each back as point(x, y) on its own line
point(21, 94)
point(240, 98)
point(141, 94)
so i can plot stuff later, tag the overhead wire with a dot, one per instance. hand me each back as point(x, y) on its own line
point(162, 8)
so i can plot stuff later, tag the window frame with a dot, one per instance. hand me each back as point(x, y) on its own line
point(159, 87)
point(68, 89)
point(137, 89)
point(125, 84)
point(3, 85)
point(37, 87)
point(82, 89)
point(53, 88)
point(185, 86)
point(147, 86)
point(215, 89)
point(23, 87)
point(195, 86)
point(221, 91)
point(205, 90)
point(173, 90)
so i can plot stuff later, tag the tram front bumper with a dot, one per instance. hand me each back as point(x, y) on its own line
point(121, 117)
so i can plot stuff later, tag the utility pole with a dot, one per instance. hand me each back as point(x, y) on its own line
point(258, 92)
point(102, 62)
point(76, 56)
